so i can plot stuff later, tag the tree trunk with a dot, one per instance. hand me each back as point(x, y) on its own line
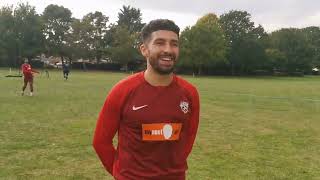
point(199, 70)
point(232, 69)
point(98, 57)
point(62, 60)
point(126, 67)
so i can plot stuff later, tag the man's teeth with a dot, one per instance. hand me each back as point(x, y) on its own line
point(166, 58)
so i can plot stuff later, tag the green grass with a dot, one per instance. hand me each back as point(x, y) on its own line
point(250, 128)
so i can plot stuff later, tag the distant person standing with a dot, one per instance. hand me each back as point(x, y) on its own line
point(66, 70)
point(45, 65)
point(47, 73)
point(27, 76)
point(84, 66)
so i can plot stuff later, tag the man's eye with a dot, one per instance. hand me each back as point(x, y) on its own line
point(175, 44)
point(159, 43)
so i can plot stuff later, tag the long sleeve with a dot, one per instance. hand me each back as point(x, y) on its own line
point(106, 128)
point(194, 122)
point(34, 71)
point(26, 69)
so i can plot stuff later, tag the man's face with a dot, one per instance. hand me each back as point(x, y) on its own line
point(161, 51)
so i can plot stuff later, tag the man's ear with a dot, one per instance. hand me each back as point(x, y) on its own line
point(144, 50)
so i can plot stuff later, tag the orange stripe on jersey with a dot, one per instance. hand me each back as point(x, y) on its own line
point(161, 131)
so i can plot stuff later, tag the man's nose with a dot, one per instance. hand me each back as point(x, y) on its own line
point(167, 48)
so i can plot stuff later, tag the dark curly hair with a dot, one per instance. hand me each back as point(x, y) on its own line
point(158, 24)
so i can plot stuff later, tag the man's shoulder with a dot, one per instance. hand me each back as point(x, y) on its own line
point(130, 82)
point(185, 84)
point(188, 88)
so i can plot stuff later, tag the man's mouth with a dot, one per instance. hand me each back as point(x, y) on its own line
point(166, 61)
point(166, 58)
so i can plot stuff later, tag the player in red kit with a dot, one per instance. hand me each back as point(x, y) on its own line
point(27, 76)
point(155, 114)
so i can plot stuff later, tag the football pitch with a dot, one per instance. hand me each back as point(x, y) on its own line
point(250, 127)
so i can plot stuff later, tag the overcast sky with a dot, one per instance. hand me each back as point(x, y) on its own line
point(271, 14)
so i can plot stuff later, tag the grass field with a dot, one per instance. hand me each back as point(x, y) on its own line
point(250, 128)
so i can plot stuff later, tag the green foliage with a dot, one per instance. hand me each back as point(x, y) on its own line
point(96, 25)
point(7, 37)
point(29, 31)
point(122, 49)
point(122, 39)
point(277, 60)
point(294, 45)
point(86, 38)
point(20, 34)
point(202, 45)
point(77, 41)
point(245, 41)
point(312, 34)
point(229, 44)
point(131, 18)
point(57, 21)
point(236, 25)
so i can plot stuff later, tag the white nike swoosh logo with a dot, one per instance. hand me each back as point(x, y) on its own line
point(139, 107)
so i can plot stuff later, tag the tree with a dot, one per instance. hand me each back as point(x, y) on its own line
point(131, 18)
point(244, 40)
point(276, 60)
point(123, 50)
point(293, 43)
point(122, 39)
point(57, 21)
point(96, 28)
point(77, 41)
point(203, 45)
point(7, 37)
point(312, 35)
point(28, 31)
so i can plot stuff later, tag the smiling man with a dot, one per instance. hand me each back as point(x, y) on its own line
point(154, 112)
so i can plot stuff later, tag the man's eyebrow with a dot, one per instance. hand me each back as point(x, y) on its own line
point(160, 39)
point(163, 39)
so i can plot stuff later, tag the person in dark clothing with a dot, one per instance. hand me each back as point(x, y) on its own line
point(66, 70)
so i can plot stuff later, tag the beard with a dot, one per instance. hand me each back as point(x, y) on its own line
point(163, 64)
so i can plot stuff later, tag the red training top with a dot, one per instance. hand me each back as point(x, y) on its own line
point(156, 128)
point(26, 70)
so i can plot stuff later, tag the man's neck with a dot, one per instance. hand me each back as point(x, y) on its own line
point(156, 79)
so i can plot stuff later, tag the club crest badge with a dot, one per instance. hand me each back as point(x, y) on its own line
point(184, 106)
